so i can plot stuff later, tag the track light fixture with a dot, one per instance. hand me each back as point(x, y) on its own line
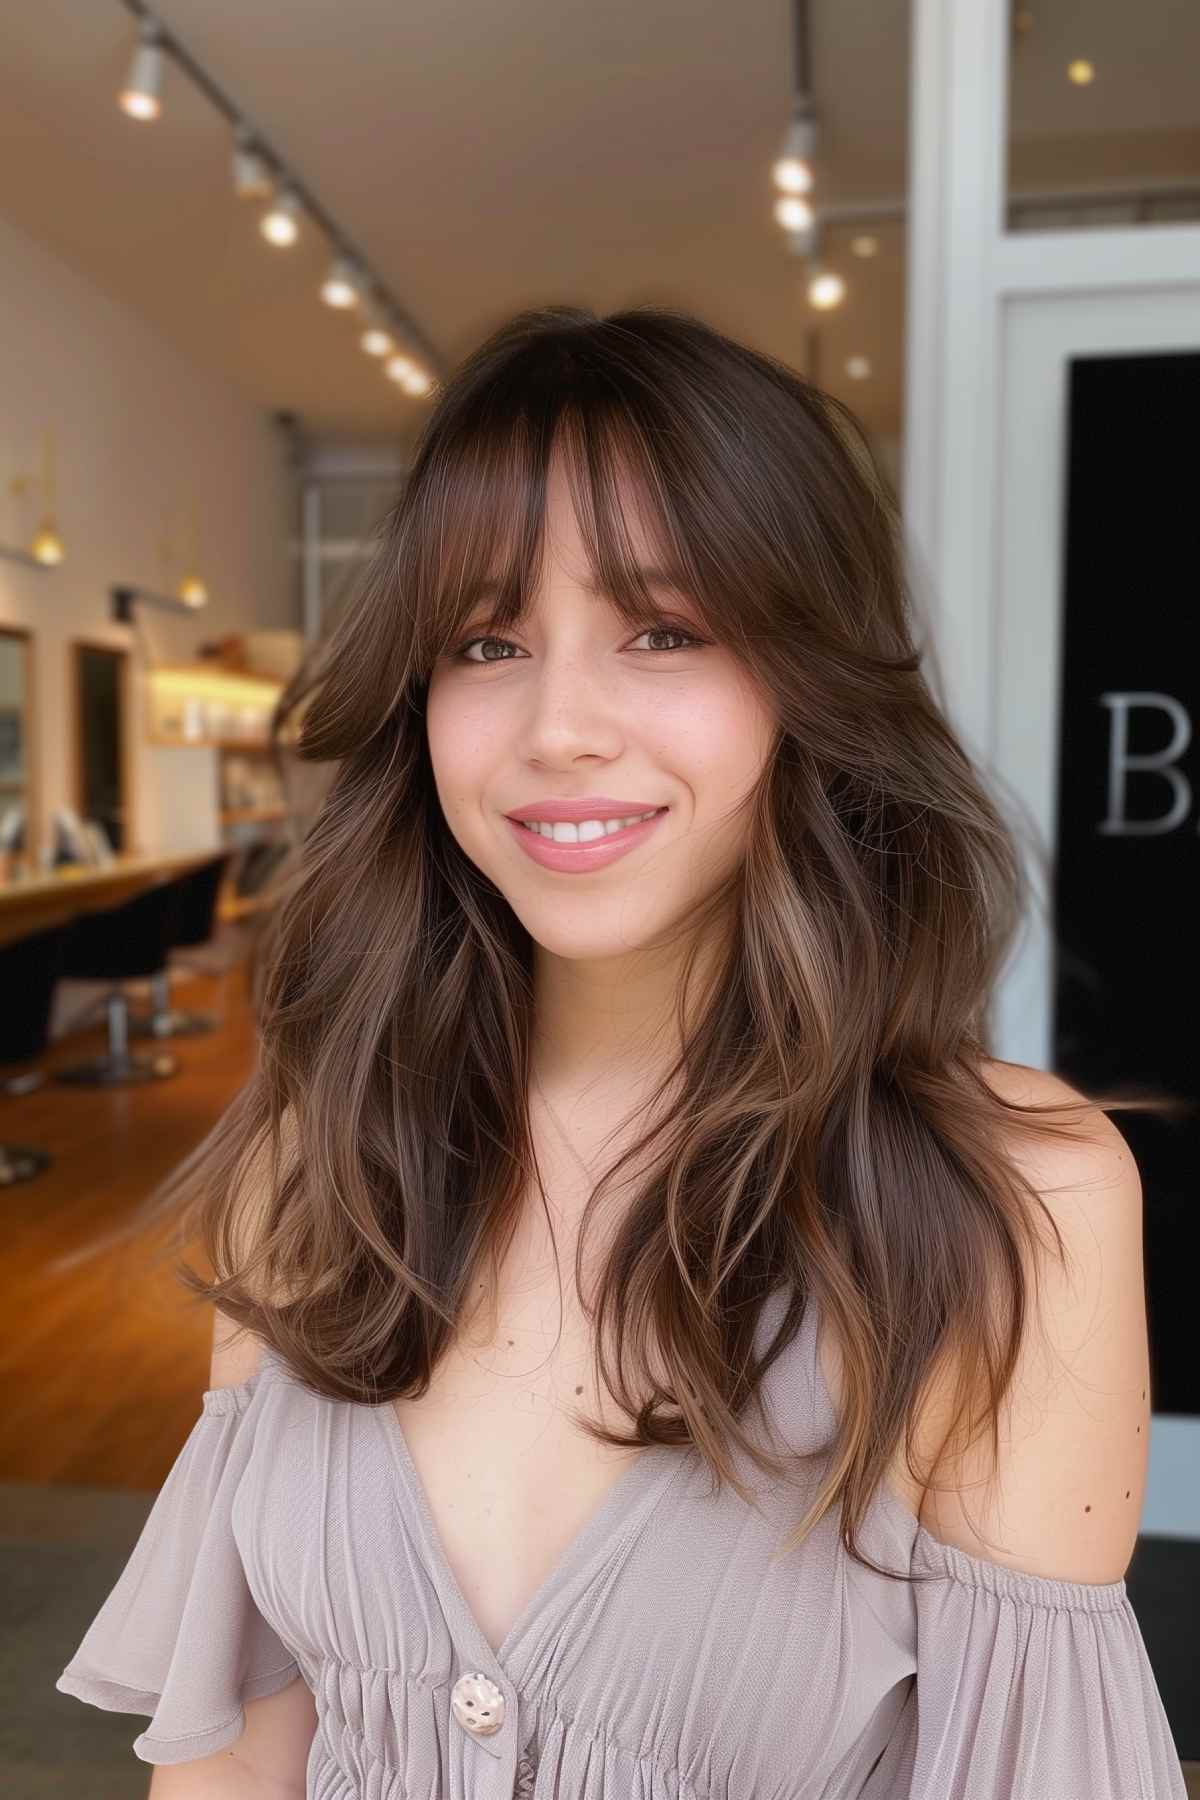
point(258, 172)
point(251, 176)
point(794, 175)
point(793, 168)
point(143, 85)
point(343, 284)
point(280, 224)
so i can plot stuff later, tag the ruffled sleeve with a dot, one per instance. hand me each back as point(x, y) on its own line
point(1029, 1688)
point(180, 1637)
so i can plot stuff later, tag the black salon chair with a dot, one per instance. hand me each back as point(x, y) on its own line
point(193, 912)
point(118, 944)
point(29, 968)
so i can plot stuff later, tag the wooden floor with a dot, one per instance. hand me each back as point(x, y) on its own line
point(102, 1366)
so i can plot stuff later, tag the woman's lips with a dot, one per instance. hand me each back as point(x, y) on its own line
point(578, 859)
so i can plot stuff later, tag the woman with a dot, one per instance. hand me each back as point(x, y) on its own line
point(653, 893)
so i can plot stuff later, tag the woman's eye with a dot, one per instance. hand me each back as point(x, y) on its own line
point(460, 655)
point(653, 631)
point(675, 631)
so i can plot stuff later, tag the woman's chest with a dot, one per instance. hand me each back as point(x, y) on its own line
point(509, 1476)
point(667, 1635)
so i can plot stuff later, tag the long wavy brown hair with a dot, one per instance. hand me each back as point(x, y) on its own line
point(832, 1130)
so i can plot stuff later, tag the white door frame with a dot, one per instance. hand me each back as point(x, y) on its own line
point(982, 491)
point(992, 318)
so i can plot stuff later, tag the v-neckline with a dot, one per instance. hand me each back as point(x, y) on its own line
point(645, 1476)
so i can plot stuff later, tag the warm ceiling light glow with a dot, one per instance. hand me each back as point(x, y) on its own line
point(858, 367)
point(192, 591)
point(139, 96)
point(1081, 71)
point(793, 213)
point(47, 545)
point(864, 245)
point(341, 285)
point(411, 378)
point(791, 175)
point(826, 289)
point(376, 341)
point(280, 223)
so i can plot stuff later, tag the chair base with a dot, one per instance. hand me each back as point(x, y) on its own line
point(172, 1023)
point(20, 1162)
point(27, 1082)
point(120, 1071)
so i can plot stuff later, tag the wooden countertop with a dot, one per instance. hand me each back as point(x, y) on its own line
point(54, 897)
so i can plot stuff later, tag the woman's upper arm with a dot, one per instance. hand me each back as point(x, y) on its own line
point(269, 1761)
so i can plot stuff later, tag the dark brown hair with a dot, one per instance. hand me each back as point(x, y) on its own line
point(834, 1129)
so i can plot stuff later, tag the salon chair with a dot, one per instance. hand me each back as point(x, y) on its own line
point(193, 911)
point(29, 968)
point(118, 944)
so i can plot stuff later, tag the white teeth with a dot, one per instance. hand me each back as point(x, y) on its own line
point(586, 830)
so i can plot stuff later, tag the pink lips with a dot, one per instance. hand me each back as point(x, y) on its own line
point(579, 859)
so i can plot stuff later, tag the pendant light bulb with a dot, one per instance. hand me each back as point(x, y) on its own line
point(140, 95)
point(280, 223)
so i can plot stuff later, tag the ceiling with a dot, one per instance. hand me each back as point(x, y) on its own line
point(489, 157)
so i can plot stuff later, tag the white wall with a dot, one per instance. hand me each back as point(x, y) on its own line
point(141, 435)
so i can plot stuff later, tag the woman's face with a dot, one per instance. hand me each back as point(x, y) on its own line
point(574, 704)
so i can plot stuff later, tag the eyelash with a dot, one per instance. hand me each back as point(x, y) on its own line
point(460, 655)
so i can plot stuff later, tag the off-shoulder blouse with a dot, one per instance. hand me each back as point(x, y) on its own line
point(671, 1654)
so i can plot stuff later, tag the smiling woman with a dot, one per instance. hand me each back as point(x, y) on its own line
point(863, 1540)
point(586, 690)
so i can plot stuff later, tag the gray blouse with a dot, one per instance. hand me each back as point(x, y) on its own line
point(669, 1655)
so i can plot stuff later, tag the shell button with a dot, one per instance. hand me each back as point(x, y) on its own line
point(477, 1703)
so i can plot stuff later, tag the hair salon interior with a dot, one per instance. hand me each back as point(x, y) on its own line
point(241, 242)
